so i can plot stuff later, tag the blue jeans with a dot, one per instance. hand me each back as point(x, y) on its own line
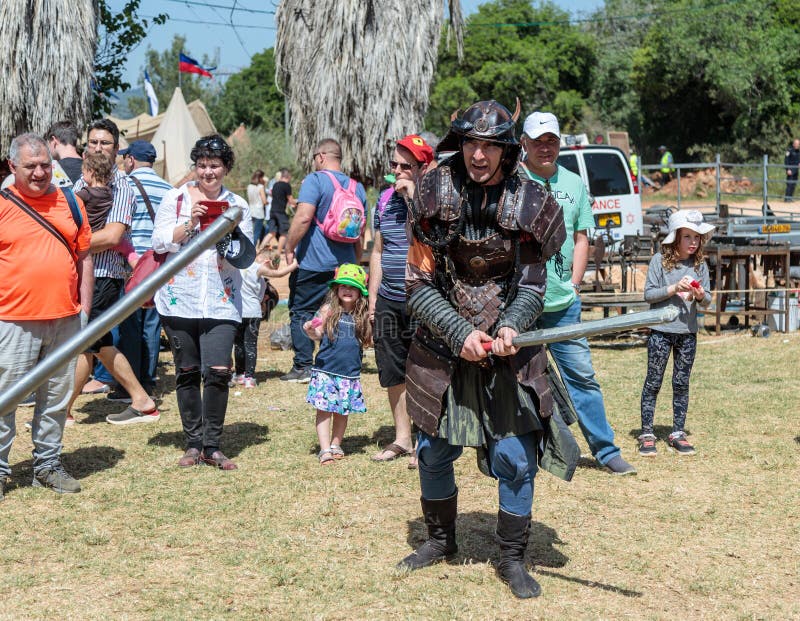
point(140, 342)
point(307, 291)
point(574, 362)
point(513, 461)
point(259, 230)
point(24, 344)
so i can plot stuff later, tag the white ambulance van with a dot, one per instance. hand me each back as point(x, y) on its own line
point(617, 206)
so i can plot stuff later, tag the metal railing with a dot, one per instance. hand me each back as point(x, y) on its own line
point(126, 305)
point(765, 187)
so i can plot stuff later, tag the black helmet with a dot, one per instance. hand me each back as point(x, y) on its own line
point(484, 120)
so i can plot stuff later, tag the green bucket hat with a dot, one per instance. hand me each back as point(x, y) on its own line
point(352, 275)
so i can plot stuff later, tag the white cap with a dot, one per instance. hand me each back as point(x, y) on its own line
point(540, 123)
point(687, 219)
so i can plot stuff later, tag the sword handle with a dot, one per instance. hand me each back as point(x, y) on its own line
point(487, 346)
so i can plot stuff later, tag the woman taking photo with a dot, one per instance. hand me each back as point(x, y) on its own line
point(201, 306)
point(257, 199)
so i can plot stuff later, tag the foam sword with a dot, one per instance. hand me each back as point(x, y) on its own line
point(620, 323)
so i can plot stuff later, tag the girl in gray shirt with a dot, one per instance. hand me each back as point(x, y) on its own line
point(677, 276)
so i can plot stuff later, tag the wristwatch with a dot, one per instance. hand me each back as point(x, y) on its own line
point(576, 287)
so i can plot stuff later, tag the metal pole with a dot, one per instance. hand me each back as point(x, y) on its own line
point(718, 166)
point(765, 193)
point(679, 187)
point(126, 305)
point(593, 328)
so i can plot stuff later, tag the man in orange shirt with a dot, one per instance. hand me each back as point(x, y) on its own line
point(46, 281)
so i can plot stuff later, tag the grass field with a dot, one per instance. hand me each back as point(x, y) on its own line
point(713, 536)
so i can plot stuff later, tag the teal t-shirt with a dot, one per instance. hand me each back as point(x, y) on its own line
point(570, 192)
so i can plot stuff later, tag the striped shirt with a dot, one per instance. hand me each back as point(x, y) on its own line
point(142, 226)
point(391, 223)
point(110, 263)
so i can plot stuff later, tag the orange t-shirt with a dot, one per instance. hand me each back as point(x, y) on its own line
point(38, 276)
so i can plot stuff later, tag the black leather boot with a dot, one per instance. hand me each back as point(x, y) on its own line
point(512, 535)
point(440, 517)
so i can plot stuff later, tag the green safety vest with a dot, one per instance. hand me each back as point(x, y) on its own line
point(634, 161)
point(665, 163)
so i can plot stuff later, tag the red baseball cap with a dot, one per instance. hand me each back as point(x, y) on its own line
point(420, 149)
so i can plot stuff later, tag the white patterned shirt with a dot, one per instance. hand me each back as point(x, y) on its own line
point(209, 287)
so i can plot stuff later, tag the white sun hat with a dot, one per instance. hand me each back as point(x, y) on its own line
point(687, 219)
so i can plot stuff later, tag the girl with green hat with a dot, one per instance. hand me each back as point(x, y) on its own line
point(343, 327)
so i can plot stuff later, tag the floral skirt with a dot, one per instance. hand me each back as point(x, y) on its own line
point(333, 393)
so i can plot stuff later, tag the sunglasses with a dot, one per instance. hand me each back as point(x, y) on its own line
point(403, 165)
point(215, 144)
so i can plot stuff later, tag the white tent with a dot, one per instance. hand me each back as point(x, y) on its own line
point(174, 139)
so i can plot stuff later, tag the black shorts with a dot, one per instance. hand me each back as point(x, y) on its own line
point(106, 293)
point(392, 336)
point(278, 223)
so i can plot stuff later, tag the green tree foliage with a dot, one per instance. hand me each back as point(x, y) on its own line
point(513, 49)
point(162, 67)
point(250, 97)
point(118, 33)
point(716, 77)
point(619, 29)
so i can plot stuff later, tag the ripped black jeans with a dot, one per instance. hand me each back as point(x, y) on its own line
point(198, 345)
point(659, 346)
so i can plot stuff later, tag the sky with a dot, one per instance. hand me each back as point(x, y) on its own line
point(206, 24)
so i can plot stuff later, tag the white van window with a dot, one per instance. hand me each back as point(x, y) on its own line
point(570, 162)
point(607, 174)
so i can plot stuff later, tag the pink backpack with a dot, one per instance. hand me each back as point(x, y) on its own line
point(345, 220)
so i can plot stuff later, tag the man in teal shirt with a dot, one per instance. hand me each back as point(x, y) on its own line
point(562, 303)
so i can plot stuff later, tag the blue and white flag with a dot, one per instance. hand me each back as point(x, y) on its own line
point(151, 94)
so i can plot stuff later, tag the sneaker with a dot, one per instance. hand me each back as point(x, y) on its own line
point(132, 416)
point(119, 396)
point(236, 380)
point(56, 479)
point(617, 465)
point(647, 445)
point(297, 376)
point(679, 442)
point(249, 382)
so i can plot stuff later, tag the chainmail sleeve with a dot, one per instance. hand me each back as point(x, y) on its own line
point(431, 308)
point(528, 303)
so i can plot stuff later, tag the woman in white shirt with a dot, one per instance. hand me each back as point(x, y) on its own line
point(257, 199)
point(201, 306)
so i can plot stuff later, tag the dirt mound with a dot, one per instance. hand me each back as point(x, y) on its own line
point(703, 183)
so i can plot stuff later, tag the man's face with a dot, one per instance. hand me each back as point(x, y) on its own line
point(482, 159)
point(542, 151)
point(403, 164)
point(33, 171)
point(101, 141)
point(796, 144)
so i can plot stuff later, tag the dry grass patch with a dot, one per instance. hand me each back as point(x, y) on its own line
point(714, 536)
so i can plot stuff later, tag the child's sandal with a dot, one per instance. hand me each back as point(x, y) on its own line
point(337, 451)
point(325, 457)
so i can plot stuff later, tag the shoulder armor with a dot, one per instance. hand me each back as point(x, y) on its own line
point(538, 213)
point(437, 196)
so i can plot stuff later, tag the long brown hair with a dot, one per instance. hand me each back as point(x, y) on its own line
point(669, 253)
point(360, 315)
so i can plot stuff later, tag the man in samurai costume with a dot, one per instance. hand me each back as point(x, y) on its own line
point(475, 276)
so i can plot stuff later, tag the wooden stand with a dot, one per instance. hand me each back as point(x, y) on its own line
point(728, 258)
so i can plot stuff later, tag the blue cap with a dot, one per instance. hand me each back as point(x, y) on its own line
point(141, 150)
